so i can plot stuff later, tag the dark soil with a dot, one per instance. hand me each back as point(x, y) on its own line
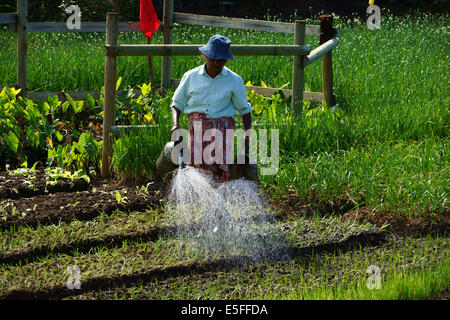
point(403, 225)
point(67, 200)
point(289, 206)
point(444, 296)
point(15, 187)
point(82, 205)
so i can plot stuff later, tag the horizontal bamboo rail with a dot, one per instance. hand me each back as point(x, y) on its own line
point(192, 50)
point(237, 23)
point(85, 27)
point(116, 130)
point(8, 18)
point(81, 95)
point(268, 92)
point(178, 17)
point(76, 95)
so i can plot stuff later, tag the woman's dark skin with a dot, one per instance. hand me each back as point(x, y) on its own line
point(213, 68)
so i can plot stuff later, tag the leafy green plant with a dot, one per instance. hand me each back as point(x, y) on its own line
point(24, 127)
point(54, 175)
point(148, 107)
point(79, 155)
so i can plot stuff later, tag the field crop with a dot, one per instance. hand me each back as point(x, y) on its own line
point(365, 183)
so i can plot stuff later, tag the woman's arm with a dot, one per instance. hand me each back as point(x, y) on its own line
point(175, 119)
point(247, 123)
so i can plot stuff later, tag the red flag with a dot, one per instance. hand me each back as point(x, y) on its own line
point(148, 17)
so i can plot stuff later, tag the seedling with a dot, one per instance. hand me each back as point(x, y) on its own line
point(121, 199)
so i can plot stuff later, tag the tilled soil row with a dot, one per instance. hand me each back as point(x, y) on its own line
point(84, 205)
point(398, 224)
point(83, 246)
point(401, 225)
point(364, 239)
point(151, 233)
point(290, 204)
point(16, 187)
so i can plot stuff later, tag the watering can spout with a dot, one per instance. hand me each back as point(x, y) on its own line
point(180, 157)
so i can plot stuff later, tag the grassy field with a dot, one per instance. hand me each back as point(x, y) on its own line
point(324, 267)
point(364, 184)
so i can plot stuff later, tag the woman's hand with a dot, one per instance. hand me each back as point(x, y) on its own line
point(175, 127)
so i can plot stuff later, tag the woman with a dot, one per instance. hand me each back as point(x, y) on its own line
point(210, 95)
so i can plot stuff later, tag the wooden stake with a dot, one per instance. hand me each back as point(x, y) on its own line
point(110, 91)
point(150, 65)
point(327, 32)
point(298, 81)
point(166, 65)
point(22, 45)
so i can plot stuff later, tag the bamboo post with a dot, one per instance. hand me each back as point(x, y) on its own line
point(167, 39)
point(110, 91)
point(150, 65)
point(22, 45)
point(298, 81)
point(327, 32)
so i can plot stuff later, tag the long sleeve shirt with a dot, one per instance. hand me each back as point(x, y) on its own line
point(222, 96)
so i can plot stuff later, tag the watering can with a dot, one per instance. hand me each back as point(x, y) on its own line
point(164, 163)
point(165, 166)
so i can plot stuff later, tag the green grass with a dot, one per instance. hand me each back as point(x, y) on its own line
point(60, 61)
point(415, 285)
point(100, 262)
point(411, 269)
point(136, 152)
point(386, 148)
point(392, 91)
point(400, 178)
point(391, 81)
point(24, 238)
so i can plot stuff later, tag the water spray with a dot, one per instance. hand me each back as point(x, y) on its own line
point(230, 220)
point(181, 163)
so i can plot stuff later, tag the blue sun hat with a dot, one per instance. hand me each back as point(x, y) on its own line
point(218, 47)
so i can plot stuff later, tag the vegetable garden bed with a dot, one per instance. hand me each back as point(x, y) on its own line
point(120, 238)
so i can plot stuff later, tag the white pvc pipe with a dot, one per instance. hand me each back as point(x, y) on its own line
point(321, 51)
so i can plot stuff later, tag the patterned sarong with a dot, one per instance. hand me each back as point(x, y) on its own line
point(222, 170)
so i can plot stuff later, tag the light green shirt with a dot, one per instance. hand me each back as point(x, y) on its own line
point(222, 96)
